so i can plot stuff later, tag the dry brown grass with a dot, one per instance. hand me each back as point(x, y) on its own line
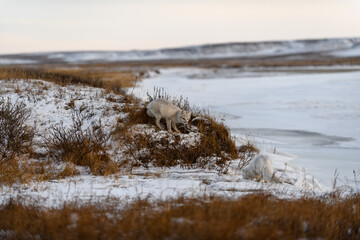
point(276, 61)
point(112, 81)
point(25, 170)
point(16, 147)
point(58, 78)
point(256, 216)
point(215, 150)
point(15, 136)
point(246, 153)
point(81, 147)
point(218, 138)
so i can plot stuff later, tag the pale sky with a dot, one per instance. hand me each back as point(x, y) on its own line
point(68, 25)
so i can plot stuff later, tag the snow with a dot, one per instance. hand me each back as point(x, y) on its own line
point(161, 184)
point(352, 52)
point(49, 104)
point(213, 51)
point(11, 61)
point(313, 116)
point(191, 139)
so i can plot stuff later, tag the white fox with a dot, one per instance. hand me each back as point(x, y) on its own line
point(260, 167)
point(160, 108)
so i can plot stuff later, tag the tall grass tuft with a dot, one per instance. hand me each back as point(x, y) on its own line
point(15, 136)
point(81, 147)
point(246, 153)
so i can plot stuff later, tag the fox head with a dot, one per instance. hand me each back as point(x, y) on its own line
point(185, 116)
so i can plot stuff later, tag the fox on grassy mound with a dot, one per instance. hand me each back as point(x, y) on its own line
point(160, 108)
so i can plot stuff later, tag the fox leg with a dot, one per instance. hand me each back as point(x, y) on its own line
point(149, 112)
point(168, 125)
point(174, 127)
point(158, 117)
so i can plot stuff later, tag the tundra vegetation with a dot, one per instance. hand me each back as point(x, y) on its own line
point(212, 145)
point(253, 216)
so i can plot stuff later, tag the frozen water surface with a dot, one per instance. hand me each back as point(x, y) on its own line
point(315, 116)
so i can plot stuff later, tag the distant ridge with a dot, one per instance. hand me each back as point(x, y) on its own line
point(337, 47)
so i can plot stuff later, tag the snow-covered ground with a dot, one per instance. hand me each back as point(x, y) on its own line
point(162, 184)
point(315, 117)
point(49, 104)
point(12, 61)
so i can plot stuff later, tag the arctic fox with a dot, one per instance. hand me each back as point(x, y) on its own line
point(260, 168)
point(160, 108)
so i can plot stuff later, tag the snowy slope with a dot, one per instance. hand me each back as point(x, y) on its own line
point(49, 106)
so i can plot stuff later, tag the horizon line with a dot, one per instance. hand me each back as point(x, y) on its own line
point(180, 47)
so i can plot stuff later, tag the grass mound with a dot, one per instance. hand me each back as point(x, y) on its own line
point(213, 146)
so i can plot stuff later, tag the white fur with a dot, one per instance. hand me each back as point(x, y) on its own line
point(260, 167)
point(160, 108)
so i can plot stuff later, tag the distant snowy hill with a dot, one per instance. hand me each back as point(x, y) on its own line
point(344, 47)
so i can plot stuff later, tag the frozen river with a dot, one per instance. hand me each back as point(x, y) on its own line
point(314, 115)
